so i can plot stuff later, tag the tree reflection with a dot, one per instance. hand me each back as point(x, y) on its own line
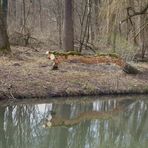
point(2, 132)
point(21, 125)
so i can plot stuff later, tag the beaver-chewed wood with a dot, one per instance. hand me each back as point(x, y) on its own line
point(76, 57)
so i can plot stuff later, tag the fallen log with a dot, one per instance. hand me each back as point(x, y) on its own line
point(76, 57)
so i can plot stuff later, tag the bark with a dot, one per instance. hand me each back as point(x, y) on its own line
point(97, 19)
point(68, 26)
point(143, 34)
point(59, 22)
point(4, 42)
point(5, 9)
point(24, 14)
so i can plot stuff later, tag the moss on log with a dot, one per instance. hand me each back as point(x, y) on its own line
point(113, 55)
point(127, 68)
point(65, 53)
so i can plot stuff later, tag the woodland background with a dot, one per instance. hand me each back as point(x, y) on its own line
point(119, 26)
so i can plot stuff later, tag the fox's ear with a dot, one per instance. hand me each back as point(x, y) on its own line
point(47, 52)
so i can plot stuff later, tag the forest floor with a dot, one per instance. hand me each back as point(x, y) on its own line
point(27, 74)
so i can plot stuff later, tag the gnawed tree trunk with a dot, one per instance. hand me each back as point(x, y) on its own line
point(4, 42)
point(68, 26)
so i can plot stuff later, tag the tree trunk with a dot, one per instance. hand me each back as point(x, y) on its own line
point(4, 42)
point(68, 26)
point(97, 23)
point(59, 22)
point(24, 15)
point(143, 35)
point(5, 10)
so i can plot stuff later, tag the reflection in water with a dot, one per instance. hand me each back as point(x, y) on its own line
point(125, 125)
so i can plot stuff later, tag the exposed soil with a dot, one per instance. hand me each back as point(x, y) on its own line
point(27, 74)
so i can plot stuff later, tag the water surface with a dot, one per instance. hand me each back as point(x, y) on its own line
point(89, 123)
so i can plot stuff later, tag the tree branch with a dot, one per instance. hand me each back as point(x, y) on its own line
point(134, 13)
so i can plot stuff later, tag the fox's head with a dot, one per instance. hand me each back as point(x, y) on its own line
point(50, 55)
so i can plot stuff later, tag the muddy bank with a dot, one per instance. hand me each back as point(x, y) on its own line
point(27, 74)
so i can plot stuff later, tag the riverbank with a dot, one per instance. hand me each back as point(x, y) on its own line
point(27, 74)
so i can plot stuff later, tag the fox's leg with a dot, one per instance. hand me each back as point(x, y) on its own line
point(55, 64)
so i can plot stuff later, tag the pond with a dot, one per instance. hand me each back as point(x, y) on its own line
point(88, 122)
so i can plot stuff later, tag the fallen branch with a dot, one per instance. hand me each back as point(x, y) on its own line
point(76, 57)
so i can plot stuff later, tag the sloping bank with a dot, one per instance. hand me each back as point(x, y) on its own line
point(35, 79)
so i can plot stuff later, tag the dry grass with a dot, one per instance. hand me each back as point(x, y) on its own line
point(27, 73)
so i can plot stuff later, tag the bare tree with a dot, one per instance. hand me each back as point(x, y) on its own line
point(94, 24)
point(5, 9)
point(4, 43)
point(68, 26)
